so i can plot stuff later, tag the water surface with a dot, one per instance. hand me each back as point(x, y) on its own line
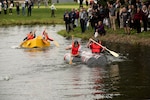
point(41, 74)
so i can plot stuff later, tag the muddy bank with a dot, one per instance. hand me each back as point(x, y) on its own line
point(126, 39)
point(134, 39)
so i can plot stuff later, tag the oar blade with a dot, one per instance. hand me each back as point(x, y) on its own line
point(56, 43)
point(114, 53)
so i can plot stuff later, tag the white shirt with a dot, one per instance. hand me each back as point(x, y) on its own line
point(11, 6)
point(52, 7)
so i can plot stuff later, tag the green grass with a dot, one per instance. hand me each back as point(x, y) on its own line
point(39, 16)
point(77, 33)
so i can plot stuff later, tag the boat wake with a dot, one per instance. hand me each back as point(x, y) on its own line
point(15, 47)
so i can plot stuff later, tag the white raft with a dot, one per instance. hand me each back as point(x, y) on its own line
point(88, 58)
point(67, 58)
point(93, 59)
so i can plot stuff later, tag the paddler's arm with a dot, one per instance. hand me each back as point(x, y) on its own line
point(50, 39)
point(44, 31)
point(34, 31)
point(25, 39)
point(103, 49)
point(75, 55)
point(89, 43)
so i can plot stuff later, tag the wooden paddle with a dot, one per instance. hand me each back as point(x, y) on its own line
point(112, 52)
point(70, 62)
point(56, 43)
point(22, 43)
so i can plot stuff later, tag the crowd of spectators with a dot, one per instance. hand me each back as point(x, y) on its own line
point(128, 15)
point(7, 7)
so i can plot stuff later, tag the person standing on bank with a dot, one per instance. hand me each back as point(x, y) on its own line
point(18, 8)
point(145, 17)
point(83, 18)
point(81, 3)
point(0, 7)
point(126, 20)
point(10, 8)
point(23, 8)
point(29, 8)
point(112, 15)
point(5, 7)
point(53, 8)
point(137, 19)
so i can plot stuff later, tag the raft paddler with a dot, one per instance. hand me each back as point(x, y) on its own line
point(75, 49)
point(46, 37)
point(95, 48)
point(30, 36)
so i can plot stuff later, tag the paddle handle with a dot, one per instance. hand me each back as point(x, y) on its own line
point(99, 44)
point(112, 52)
point(71, 52)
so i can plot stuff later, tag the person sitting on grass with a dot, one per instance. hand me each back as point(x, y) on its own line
point(100, 28)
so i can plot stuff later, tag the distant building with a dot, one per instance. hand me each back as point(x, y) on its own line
point(67, 1)
point(62, 1)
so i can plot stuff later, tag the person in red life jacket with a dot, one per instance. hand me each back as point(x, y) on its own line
point(95, 48)
point(46, 37)
point(30, 36)
point(75, 49)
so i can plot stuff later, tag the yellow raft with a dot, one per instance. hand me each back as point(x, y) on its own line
point(37, 42)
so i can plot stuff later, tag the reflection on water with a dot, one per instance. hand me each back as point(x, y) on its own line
point(36, 50)
point(41, 74)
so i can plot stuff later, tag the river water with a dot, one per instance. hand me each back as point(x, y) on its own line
point(42, 74)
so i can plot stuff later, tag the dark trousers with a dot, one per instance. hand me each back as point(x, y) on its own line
point(29, 11)
point(82, 24)
point(5, 12)
point(145, 24)
point(137, 26)
point(118, 19)
point(52, 13)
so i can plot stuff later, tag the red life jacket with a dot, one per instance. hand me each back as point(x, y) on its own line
point(75, 49)
point(30, 36)
point(95, 48)
point(46, 37)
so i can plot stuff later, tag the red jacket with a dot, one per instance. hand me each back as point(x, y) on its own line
point(137, 16)
point(95, 48)
point(75, 50)
point(30, 36)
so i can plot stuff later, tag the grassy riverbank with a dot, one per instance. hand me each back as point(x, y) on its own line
point(117, 36)
point(42, 15)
